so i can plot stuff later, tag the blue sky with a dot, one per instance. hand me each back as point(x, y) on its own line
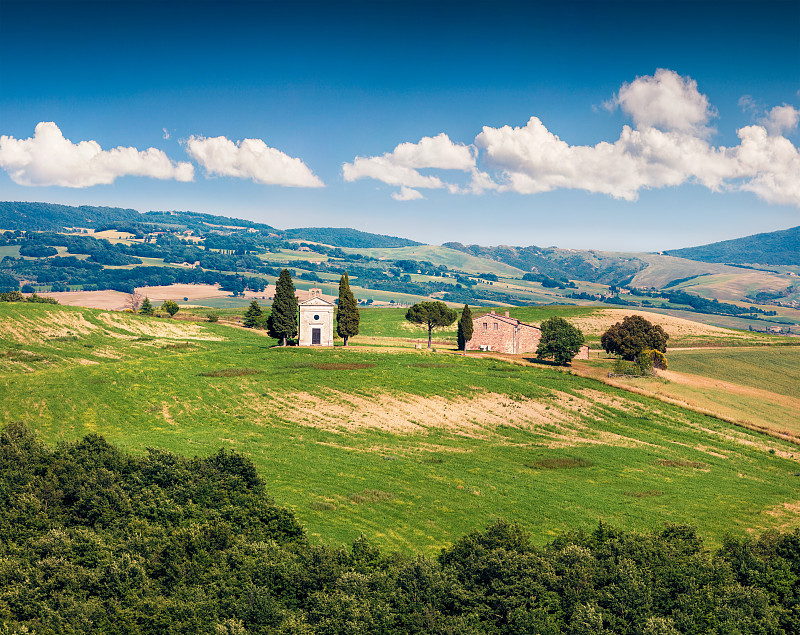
point(353, 106)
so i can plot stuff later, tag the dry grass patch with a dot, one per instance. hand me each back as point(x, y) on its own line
point(54, 325)
point(482, 416)
point(158, 328)
point(598, 323)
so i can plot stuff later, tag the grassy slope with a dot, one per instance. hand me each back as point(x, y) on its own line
point(777, 370)
point(662, 270)
point(66, 379)
point(443, 256)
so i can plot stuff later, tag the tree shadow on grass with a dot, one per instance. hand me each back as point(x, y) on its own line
point(545, 362)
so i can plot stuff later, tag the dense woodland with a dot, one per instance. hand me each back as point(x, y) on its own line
point(97, 540)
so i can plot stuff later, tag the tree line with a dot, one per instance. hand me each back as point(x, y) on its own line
point(98, 540)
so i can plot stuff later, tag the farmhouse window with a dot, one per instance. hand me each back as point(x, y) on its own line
point(485, 326)
point(495, 326)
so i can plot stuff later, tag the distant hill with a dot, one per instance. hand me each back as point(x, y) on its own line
point(773, 248)
point(561, 264)
point(345, 237)
point(51, 217)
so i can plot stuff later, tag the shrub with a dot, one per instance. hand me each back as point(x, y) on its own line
point(212, 317)
point(171, 307)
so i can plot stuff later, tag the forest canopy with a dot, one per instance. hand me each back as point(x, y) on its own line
point(98, 540)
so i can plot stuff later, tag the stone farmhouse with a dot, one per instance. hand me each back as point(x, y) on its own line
point(504, 334)
point(316, 320)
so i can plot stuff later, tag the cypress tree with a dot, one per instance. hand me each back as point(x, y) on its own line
point(253, 317)
point(146, 308)
point(464, 329)
point(347, 317)
point(282, 322)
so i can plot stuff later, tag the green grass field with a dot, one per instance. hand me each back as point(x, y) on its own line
point(776, 369)
point(9, 250)
point(413, 449)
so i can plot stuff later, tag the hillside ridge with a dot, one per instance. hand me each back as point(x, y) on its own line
point(780, 247)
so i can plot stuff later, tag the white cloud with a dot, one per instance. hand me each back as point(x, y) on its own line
point(667, 147)
point(407, 194)
point(769, 166)
point(666, 101)
point(48, 158)
point(433, 152)
point(383, 169)
point(166, 133)
point(401, 166)
point(781, 119)
point(250, 159)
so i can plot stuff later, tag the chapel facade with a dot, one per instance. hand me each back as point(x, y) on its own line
point(316, 320)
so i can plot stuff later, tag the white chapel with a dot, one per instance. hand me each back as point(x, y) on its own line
point(316, 320)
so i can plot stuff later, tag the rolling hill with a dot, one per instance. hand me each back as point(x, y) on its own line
point(772, 248)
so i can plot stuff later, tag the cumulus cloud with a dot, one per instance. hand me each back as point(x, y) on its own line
point(401, 166)
point(769, 166)
point(250, 159)
point(48, 158)
point(666, 101)
point(667, 146)
point(781, 119)
point(407, 194)
point(535, 160)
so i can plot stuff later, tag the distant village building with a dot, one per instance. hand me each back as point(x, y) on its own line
point(504, 334)
point(316, 320)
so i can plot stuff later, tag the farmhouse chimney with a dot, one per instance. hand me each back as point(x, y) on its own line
point(507, 314)
point(492, 311)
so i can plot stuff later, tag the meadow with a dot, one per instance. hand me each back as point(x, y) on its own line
point(411, 448)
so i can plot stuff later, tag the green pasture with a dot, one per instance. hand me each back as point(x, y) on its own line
point(774, 369)
point(451, 258)
point(622, 459)
point(289, 256)
point(9, 250)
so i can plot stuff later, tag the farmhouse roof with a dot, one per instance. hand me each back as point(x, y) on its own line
point(505, 318)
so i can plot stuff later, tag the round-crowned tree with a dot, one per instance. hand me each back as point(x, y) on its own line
point(560, 340)
point(633, 335)
point(282, 321)
point(431, 314)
